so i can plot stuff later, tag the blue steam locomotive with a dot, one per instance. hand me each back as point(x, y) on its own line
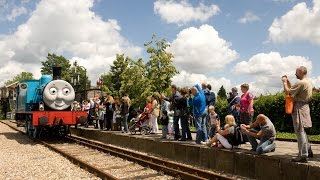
point(43, 105)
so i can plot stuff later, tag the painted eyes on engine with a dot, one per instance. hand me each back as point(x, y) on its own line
point(53, 91)
point(66, 91)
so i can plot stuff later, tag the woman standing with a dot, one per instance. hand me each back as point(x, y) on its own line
point(109, 113)
point(184, 116)
point(125, 112)
point(154, 113)
point(246, 105)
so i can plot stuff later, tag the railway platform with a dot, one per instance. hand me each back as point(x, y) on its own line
point(240, 161)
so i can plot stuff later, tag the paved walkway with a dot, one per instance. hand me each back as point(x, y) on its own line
point(287, 150)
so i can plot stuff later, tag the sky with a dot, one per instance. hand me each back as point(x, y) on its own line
point(220, 42)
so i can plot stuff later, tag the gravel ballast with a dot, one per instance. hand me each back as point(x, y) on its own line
point(21, 158)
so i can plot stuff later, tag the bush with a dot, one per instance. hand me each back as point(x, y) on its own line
point(273, 106)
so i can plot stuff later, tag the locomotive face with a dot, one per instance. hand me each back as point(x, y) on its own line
point(58, 95)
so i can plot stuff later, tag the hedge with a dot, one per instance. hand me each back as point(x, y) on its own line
point(273, 107)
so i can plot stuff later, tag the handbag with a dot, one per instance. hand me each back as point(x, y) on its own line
point(289, 104)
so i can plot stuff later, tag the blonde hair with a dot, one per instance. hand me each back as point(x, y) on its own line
point(230, 120)
point(211, 107)
point(246, 86)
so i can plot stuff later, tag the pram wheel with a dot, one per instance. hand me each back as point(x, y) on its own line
point(144, 131)
point(132, 129)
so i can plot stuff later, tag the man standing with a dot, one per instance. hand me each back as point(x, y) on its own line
point(266, 135)
point(302, 94)
point(198, 102)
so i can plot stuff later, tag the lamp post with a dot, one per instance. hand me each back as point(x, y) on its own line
point(75, 77)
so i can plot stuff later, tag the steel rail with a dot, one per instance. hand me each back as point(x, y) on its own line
point(101, 174)
point(168, 167)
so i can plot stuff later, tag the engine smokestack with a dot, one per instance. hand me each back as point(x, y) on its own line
point(56, 72)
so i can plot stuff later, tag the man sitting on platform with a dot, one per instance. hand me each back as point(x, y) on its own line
point(267, 134)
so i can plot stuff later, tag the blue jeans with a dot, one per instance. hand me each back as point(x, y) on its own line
point(264, 146)
point(125, 122)
point(200, 123)
point(164, 131)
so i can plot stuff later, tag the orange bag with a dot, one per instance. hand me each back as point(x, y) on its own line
point(289, 104)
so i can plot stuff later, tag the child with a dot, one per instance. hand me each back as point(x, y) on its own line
point(164, 121)
point(213, 118)
point(170, 124)
point(236, 113)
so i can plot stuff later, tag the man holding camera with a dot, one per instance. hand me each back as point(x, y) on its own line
point(302, 94)
point(198, 102)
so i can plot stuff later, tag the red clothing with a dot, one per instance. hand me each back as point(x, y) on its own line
point(148, 107)
point(245, 102)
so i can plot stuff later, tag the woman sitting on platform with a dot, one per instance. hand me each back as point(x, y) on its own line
point(224, 137)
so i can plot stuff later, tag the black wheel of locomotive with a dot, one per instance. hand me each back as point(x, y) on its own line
point(26, 127)
point(35, 132)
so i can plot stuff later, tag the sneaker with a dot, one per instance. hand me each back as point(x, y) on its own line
point(300, 159)
point(204, 143)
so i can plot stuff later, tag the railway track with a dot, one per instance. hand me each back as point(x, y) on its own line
point(73, 147)
point(278, 139)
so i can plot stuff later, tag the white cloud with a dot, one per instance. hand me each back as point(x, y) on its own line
point(300, 23)
point(16, 12)
point(182, 12)
point(249, 17)
point(63, 27)
point(201, 50)
point(316, 81)
point(266, 69)
point(186, 79)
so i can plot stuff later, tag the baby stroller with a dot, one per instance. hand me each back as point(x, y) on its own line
point(140, 124)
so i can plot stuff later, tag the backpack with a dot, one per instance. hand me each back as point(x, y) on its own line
point(210, 97)
point(237, 138)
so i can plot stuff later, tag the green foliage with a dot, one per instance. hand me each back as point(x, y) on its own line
point(20, 77)
point(119, 66)
point(138, 79)
point(273, 106)
point(66, 71)
point(54, 60)
point(222, 93)
point(136, 83)
point(221, 107)
point(84, 82)
point(160, 68)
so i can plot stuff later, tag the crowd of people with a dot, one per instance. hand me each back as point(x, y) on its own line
point(196, 105)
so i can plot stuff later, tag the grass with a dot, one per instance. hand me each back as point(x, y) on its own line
point(279, 135)
point(293, 136)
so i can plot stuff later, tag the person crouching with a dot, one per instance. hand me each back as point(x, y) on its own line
point(267, 134)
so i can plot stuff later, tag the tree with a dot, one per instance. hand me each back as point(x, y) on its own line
point(135, 83)
point(20, 77)
point(119, 66)
point(222, 93)
point(84, 82)
point(54, 60)
point(107, 84)
point(160, 68)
